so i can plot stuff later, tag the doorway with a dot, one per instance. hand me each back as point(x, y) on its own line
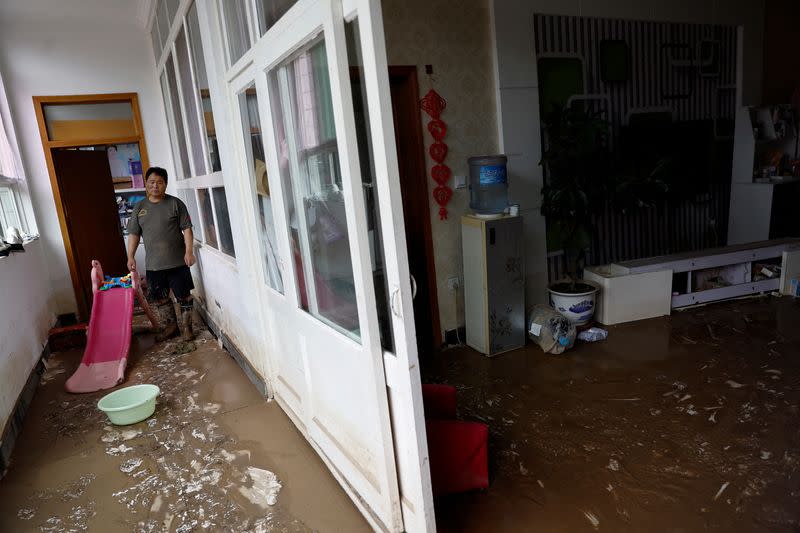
point(87, 196)
point(416, 208)
point(95, 152)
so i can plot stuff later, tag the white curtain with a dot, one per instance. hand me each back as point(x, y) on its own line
point(8, 164)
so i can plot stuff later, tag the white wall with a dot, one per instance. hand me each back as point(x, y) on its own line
point(518, 95)
point(457, 43)
point(51, 47)
point(25, 319)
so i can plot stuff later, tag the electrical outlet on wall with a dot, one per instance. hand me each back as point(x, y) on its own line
point(460, 182)
point(453, 284)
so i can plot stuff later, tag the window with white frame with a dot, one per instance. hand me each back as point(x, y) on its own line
point(11, 213)
point(177, 44)
point(10, 209)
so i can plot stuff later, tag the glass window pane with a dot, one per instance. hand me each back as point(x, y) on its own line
point(235, 14)
point(254, 144)
point(190, 102)
point(367, 160)
point(172, 10)
point(70, 122)
point(9, 217)
point(223, 220)
point(180, 139)
point(156, 42)
point(191, 205)
point(162, 19)
point(208, 217)
point(307, 150)
point(201, 78)
point(269, 11)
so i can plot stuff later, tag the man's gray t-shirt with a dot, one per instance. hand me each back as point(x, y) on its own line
point(161, 226)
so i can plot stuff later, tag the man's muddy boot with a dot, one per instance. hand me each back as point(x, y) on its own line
point(186, 325)
point(168, 320)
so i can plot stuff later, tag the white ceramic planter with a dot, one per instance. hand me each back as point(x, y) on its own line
point(577, 307)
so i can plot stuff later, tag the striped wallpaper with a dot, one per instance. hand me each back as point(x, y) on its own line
point(651, 71)
point(695, 223)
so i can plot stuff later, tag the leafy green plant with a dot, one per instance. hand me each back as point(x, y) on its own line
point(583, 179)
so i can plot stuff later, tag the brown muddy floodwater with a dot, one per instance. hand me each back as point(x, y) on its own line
point(683, 423)
point(215, 456)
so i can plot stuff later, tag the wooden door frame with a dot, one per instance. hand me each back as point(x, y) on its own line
point(48, 146)
point(409, 72)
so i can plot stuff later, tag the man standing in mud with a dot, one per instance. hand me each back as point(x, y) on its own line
point(164, 223)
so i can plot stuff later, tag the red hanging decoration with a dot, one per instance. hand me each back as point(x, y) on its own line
point(433, 105)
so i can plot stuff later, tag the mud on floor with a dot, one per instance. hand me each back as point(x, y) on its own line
point(183, 472)
point(689, 422)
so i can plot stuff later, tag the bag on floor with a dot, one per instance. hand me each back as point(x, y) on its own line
point(551, 330)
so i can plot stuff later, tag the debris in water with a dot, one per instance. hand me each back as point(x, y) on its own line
point(111, 436)
point(212, 408)
point(523, 470)
point(26, 513)
point(765, 454)
point(713, 417)
point(591, 517)
point(539, 481)
point(613, 465)
point(624, 399)
point(130, 465)
point(686, 397)
point(734, 385)
point(130, 434)
point(610, 487)
point(721, 490)
point(690, 410)
point(117, 450)
point(679, 386)
point(265, 487)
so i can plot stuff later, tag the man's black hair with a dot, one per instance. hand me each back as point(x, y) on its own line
point(158, 171)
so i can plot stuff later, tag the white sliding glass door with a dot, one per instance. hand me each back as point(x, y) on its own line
point(312, 95)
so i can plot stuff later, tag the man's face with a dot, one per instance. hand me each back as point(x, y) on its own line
point(156, 186)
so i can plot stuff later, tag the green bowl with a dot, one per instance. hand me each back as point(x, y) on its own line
point(129, 405)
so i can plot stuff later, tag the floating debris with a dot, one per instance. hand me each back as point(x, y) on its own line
point(265, 487)
point(734, 385)
point(765, 455)
point(130, 465)
point(539, 481)
point(592, 518)
point(118, 450)
point(26, 513)
point(613, 465)
point(721, 490)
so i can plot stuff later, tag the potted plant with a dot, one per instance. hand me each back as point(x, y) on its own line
point(582, 180)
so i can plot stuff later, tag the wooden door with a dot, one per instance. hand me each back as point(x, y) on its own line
point(90, 210)
point(416, 209)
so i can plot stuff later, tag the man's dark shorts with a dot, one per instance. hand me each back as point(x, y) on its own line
point(179, 279)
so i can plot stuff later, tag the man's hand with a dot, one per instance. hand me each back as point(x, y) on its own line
point(131, 264)
point(189, 259)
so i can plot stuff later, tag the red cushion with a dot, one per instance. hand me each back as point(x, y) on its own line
point(458, 456)
point(439, 401)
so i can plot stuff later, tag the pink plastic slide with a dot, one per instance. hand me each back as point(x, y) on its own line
point(109, 337)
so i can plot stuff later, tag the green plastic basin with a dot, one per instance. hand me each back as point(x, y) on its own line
point(129, 405)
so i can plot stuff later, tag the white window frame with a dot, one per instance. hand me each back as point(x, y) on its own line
point(17, 217)
point(196, 181)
